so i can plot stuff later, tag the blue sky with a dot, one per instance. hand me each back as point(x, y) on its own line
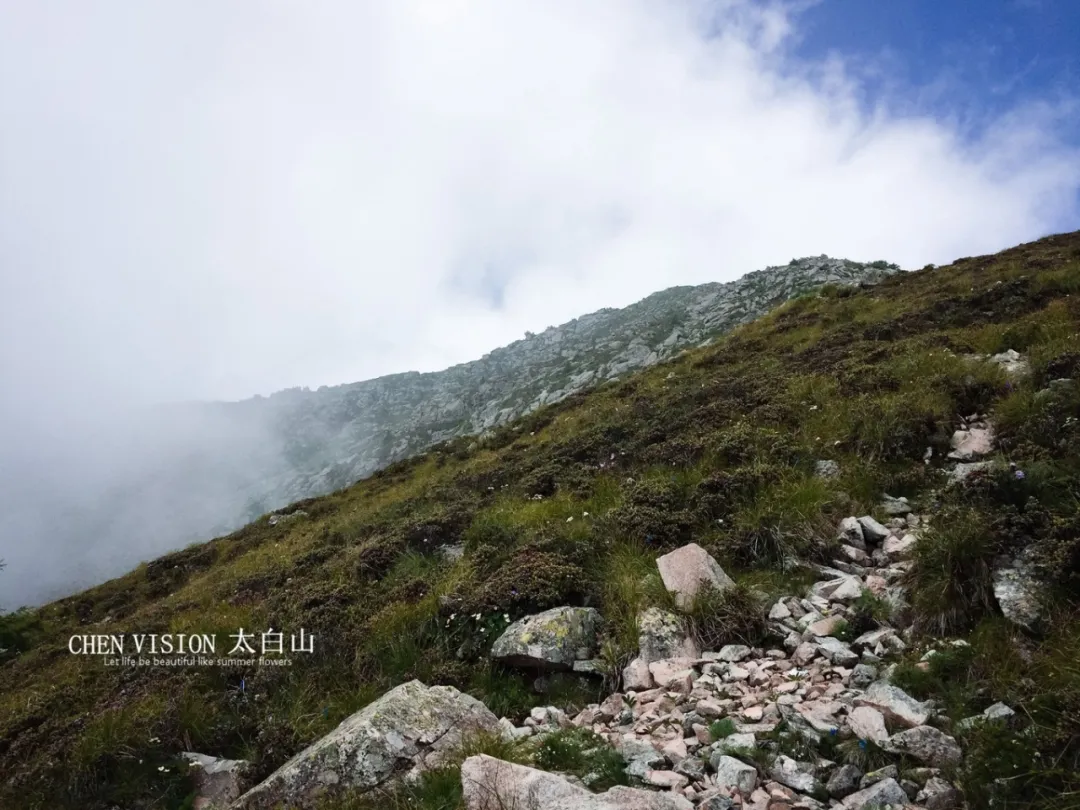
point(964, 59)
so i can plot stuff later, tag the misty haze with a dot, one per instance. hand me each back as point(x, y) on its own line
point(198, 206)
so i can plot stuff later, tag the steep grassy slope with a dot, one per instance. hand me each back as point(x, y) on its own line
point(572, 505)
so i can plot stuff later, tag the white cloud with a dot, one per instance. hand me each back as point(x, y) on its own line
point(213, 200)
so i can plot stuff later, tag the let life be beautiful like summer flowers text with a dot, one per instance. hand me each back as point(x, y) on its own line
point(246, 648)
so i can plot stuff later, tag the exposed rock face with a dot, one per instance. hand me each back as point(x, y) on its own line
point(492, 784)
point(217, 781)
point(552, 640)
point(412, 725)
point(685, 571)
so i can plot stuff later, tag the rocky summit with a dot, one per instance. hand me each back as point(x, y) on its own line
point(829, 561)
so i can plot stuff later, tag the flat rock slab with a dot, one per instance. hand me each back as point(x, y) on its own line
point(685, 571)
point(552, 640)
point(412, 725)
point(493, 784)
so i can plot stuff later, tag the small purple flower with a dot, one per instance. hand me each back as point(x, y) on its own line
point(1020, 475)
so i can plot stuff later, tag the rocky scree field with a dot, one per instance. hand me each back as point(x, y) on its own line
point(846, 535)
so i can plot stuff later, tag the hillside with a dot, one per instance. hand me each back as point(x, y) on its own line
point(410, 573)
point(192, 471)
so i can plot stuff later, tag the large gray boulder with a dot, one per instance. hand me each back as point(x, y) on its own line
point(493, 784)
point(661, 635)
point(412, 726)
point(686, 570)
point(552, 640)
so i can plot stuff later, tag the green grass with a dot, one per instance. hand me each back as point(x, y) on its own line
point(722, 728)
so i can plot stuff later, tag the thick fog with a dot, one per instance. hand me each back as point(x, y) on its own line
point(202, 201)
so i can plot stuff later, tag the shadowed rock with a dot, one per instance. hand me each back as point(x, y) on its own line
point(552, 640)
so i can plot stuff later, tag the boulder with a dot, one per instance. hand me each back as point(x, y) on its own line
point(837, 652)
point(1013, 363)
point(796, 775)
point(927, 744)
point(493, 784)
point(969, 445)
point(897, 507)
point(552, 640)
point(686, 570)
point(868, 724)
point(851, 533)
point(411, 726)
point(962, 472)
point(899, 547)
point(661, 635)
point(636, 676)
point(879, 795)
point(217, 781)
point(873, 531)
point(734, 773)
point(733, 653)
point(844, 781)
point(937, 794)
point(895, 704)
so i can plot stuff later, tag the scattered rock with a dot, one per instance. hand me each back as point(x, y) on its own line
point(661, 635)
point(796, 775)
point(851, 533)
point(217, 781)
point(685, 570)
point(895, 704)
point(962, 472)
point(1016, 588)
point(493, 784)
point(734, 773)
point(826, 468)
point(873, 531)
point(938, 794)
point(969, 445)
point(877, 796)
point(895, 506)
point(636, 676)
point(844, 781)
point(927, 744)
point(868, 724)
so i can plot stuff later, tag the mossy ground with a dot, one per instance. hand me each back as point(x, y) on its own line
point(573, 504)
